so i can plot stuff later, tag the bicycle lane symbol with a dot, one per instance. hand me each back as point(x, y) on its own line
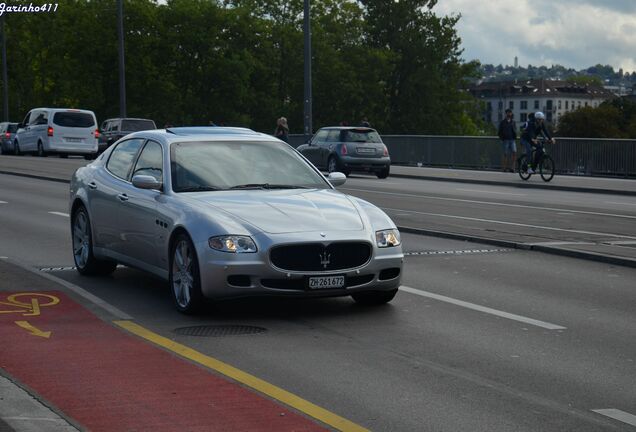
point(28, 305)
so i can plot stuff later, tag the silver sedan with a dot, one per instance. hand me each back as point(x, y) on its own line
point(229, 212)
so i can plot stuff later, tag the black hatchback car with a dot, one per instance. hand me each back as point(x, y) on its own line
point(116, 128)
point(347, 149)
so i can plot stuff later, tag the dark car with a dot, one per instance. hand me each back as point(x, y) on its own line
point(7, 133)
point(116, 128)
point(347, 149)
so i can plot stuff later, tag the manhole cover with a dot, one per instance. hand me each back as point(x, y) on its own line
point(219, 330)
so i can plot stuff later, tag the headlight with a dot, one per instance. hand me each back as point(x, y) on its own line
point(233, 244)
point(387, 238)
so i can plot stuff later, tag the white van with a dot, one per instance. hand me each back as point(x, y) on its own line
point(58, 130)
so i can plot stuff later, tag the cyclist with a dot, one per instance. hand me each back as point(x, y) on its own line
point(535, 128)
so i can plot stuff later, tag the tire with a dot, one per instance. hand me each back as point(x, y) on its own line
point(16, 149)
point(185, 279)
point(63, 155)
point(384, 173)
point(332, 164)
point(41, 152)
point(522, 167)
point(546, 168)
point(82, 242)
point(374, 298)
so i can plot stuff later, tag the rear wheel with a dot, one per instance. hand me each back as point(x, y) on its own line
point(384, 173)
point(332, 164)
point(82, 240)
point(546, 168)
point(185, 280)
point(374, 297)
point(522, 167)
point(41, 152)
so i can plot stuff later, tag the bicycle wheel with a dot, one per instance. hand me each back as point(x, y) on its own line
point(546, 168)
point(522, 167)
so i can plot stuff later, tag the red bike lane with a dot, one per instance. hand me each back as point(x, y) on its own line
point(104, 379)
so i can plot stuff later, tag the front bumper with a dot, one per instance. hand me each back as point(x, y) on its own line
point(225, 275)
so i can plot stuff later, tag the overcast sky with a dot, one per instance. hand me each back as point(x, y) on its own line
point(572, 33)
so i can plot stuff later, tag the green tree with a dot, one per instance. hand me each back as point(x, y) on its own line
point(588, 122)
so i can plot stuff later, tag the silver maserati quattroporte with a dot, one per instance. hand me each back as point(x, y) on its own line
point(229, 212)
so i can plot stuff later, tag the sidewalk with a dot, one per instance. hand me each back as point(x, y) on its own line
point(559, 182)
point(66, 368)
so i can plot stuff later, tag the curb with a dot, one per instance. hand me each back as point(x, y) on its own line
point(35, 176)
point(589, 256)
point(518, 185)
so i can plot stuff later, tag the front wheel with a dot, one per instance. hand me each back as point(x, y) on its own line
point(82, 240)
point(522, 167)
point(372, 298)
point(546, 168)
point(185, 280)
point(16, 149)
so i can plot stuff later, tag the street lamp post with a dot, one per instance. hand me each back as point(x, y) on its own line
point(5, 79)
point(122, 67)
point(308, 130)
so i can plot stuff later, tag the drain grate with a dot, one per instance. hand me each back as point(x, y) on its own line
point(456, 252)
point(219, 330)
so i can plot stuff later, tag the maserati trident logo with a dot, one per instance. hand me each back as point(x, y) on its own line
point(324, 259)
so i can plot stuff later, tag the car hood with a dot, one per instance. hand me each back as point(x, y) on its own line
point(288, 211)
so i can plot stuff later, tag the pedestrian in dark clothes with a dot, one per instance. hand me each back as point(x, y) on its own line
point(508, 135)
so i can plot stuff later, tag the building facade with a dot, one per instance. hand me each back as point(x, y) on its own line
point(553, 98)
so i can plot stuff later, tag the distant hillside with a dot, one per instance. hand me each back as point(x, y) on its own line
point(606, 75)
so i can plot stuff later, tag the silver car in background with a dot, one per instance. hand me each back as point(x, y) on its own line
point(228, 212)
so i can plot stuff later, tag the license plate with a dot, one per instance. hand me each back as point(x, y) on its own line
point(326, 282)
point(74, 140)
point(365, 150)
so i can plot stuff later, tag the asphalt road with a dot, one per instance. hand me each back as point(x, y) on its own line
point(480, 338)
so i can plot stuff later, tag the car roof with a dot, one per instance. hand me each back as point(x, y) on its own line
point(356, 128)
point(203, 133)
point(129, 118)
point(64, 110)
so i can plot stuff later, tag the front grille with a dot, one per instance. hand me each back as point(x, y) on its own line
point(318, 257)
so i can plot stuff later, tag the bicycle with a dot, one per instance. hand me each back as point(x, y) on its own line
point(545, 166)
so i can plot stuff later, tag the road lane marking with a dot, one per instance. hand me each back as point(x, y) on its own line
point(619, 415)
point(59, 214)
point(489, 192)
point(511, 223)
point(491, 203)
point(3, 202)
point(620, 203)
point(245, 378)
point(526, 320)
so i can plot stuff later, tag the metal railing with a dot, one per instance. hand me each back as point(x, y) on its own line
point(577, 156)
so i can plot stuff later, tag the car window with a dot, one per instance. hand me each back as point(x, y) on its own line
point(223, 165)
point(150, 161)
point(137, 125)
point(12, 128)
point(360, 135)
point(123, 156)
point(321, 135)
point(333, 135)
point(73, 119)
point(105, 126)
point(27, 119)
point(114, 126)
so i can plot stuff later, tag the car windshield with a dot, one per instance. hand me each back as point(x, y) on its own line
point(74, 119)
point(137, 125)
point(198, 166)
point(360, 135)
point(12, 127)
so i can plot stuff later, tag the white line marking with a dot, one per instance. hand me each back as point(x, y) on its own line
point(491, 203)
point(619, 415)
point(512, 223)
point(59, 214)
point(483, 309)
point(619, 203)
point(3, 202)
point(489, 192)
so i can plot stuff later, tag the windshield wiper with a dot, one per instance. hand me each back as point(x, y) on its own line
point(197, 189)
point(267, 186)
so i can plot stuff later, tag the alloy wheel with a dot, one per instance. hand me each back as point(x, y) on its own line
point(81, 239)
point(182, 273)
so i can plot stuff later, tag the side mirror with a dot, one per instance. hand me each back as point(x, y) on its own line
point(337, 178)
point(146, 182)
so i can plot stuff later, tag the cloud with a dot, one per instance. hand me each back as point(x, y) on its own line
point(572, 33)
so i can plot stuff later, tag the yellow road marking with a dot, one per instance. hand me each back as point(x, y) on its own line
point(33, 330)
point(31, 307)
point(245, 378)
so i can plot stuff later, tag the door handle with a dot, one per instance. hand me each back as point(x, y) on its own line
point(92, 185)
point(122, 197)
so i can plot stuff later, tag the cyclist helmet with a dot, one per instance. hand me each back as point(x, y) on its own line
point(539, 115)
